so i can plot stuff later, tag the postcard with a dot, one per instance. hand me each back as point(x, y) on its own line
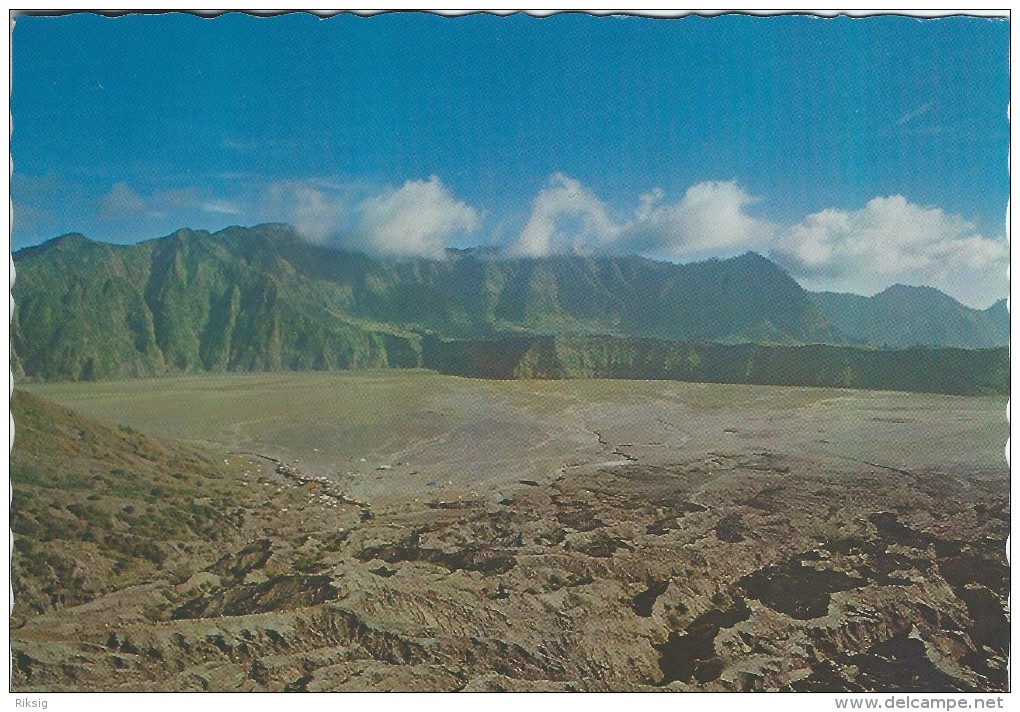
point(411, 352)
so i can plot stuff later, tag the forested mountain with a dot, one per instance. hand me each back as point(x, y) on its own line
point(904, 316)
point(263, 299)
point(255, 299)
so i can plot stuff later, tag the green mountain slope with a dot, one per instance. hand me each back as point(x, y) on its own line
point(903, 316)
point(263, 299)
point(97, 507)
point(188, 302)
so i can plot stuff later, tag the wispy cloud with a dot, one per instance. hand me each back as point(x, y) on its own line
point(121, 203)
point(28, 217)
point(224, 207)
point(35, 200)
point(124, 203)
point(920, 121)
point(314, 212)
point(914, 114)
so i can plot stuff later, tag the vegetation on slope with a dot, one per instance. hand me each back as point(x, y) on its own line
point(931, 370)
point(262, 299)
point(901, 317)
point(98, 507)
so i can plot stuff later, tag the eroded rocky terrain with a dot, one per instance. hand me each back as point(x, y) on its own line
point(741, 571)
point(736, 569)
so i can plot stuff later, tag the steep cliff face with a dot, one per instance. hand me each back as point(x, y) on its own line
point(933, 370)
point(186, 303)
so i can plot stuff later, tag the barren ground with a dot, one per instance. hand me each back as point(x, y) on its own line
point(414, 531)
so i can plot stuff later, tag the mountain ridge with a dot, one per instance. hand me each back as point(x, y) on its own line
point(262, 298)
point(902, 316)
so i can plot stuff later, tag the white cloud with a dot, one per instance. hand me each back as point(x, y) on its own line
point(416, 219)
point(565, 217)
point(891, 240)
point(120, 203)
point(710, 220)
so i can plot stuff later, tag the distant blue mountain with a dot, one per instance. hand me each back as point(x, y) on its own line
point(903, 316)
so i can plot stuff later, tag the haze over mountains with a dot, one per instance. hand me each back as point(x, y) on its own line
point(261, 298)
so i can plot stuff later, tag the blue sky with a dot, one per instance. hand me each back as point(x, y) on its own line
point(857, 153)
